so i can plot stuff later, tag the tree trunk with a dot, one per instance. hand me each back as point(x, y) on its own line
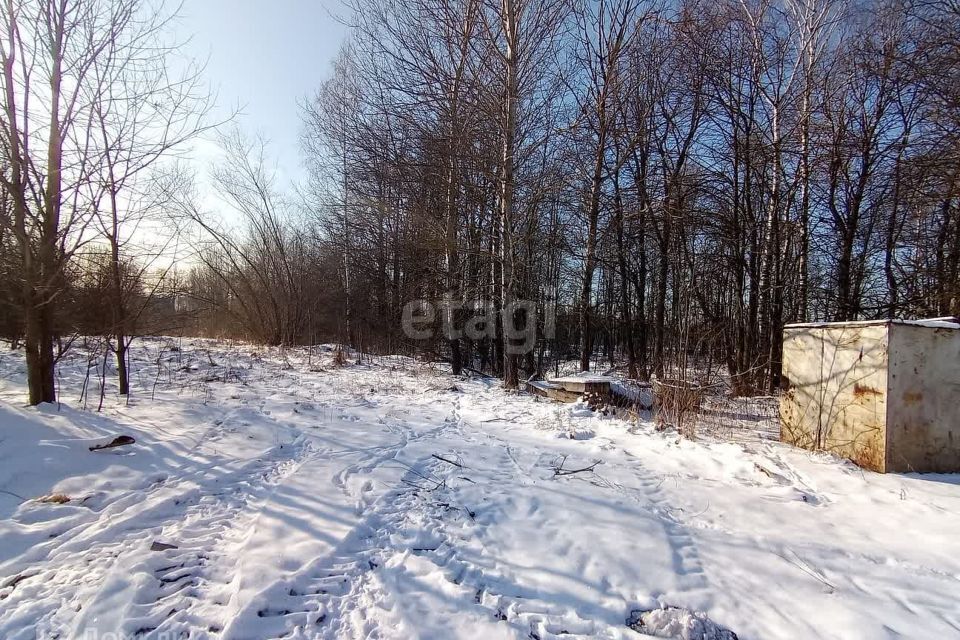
point(660, 312)
point(507, 186)
point(590, 260)
point(624, 283)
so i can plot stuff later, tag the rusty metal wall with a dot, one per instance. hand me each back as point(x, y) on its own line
point(923, 419)
point(836, 399)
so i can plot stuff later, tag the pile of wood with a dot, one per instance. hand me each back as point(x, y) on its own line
point(598, 392)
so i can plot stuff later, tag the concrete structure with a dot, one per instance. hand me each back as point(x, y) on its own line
point(571, 388)
point(885, 394)
point(553, 391)
point(585, 383)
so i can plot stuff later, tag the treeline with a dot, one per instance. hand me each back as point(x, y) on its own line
point(681, 177)
point(154, 302)
point(665, 183)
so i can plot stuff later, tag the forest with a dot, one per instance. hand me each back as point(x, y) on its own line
point(663, 184)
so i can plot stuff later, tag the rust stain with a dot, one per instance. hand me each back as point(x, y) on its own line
point(866, 448)
point(912, 397)
point(861, 390)
point(869, 458)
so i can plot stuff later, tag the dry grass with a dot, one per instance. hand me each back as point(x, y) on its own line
point(676, 402)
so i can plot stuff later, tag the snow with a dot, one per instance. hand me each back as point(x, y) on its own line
point(933, 323)
point(543, 385)
point(583, 376)
point(639, 393)
point(678, 623)
point(930, 323)
point(391, 500)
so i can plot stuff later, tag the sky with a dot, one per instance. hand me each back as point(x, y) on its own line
point(263, 57)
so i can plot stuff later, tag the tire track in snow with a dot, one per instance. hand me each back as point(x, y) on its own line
point(687, 563)
point(198, 575)
point(323, 596)
point(331, 598)
point(494, 588)
point(68, 581)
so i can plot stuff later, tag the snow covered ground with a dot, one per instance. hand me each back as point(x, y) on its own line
point(271, 494)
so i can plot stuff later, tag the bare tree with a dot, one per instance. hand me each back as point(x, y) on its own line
point(606, 32)
point(48, 52)
point(142, 116)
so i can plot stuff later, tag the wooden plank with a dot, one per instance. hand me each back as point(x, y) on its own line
point(591, 384)
point(552, 391)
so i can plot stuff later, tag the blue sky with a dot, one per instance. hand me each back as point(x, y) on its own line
point(263, 57)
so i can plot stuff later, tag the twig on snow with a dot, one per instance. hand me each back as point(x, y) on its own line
point(807, 569)
point(437, 483)
point(15, 495)
point(455, 463)
point(570, 472)
point(558, 470)
point(478, 373)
